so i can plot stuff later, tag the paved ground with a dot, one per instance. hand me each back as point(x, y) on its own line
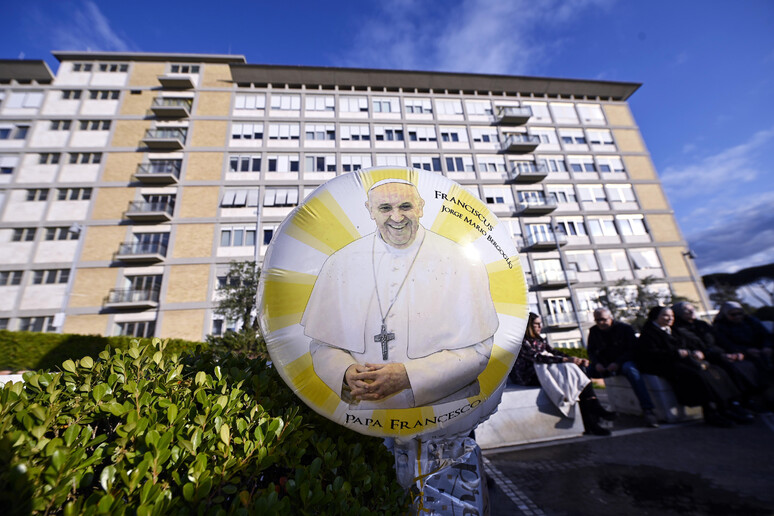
point(682, 469)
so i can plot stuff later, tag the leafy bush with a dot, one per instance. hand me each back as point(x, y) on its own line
point(22, 350)
point(575, 352)
point(248, 341)
point(138, 431)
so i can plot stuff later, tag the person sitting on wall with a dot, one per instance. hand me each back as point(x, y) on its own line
point(560, 377)
point(611, 352)
point(738, 332)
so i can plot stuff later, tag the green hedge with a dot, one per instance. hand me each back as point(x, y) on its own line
point(575, 352)
point(22, 350)
point(142, 431)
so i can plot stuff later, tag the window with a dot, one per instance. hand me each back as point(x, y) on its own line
point(582, 261)
point(9, 278)
point(613, 261)
point(571, 227)
point(562, 194)
point(81, 67)
point(284, 131)
point(268, 233)
point(478, 107)
point(85, 157)
point(320, 163)
point(523, 166)
point(454, 134)
point(591, 114)
point(165, 166)
point(448, 107)
point(23, 234)
point(286, 102)
point(360, 132)
point(491, 164)
point(237, 237)
point(582, 164)
point(545, 135)
point(37, 194)
point(610, 164)
point(484, 134)
point(353, 104)
point(632, 225)
point(13, 131)
point(240, 198)
point(422, 134)
point(320, 132)
point(497, 195)
point(592, 193)
point(95, 125)
point(74, 194)
point(540, 111)
point(459, 164)
point(103, 94)
point(388, 133)
point(113, 67)
point(283, 163)
point(431, 163)
point(621, 193)
point(144, 283)
point(564, 113)
point(247, 132)
point(644, 259)
point(352, 162)
point(553, 164)
point(71, 94)
point(43, 323)
point(24, 99)
point(250, 101)
point(50, 277)
point(319, 103)
point(602, 227)
point(248, 163)
point(8, 163)
point(281, 197)
point(532, 197)
point(386, 105)
point(141, 329)
point(390, 160)
point(60, 233)
point(184, 68)
point(60, 125)
point(600, 137)
point(3, 323)
point(418, 106)
point(572, 136)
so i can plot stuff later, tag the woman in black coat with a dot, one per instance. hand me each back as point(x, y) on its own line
point(695, 381)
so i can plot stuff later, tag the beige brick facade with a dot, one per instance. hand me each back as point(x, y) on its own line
point(146, 74)
point(639, 167)
point(187, 283)
point(193, 240)
point(129, 133)
point(111, 203)
point(138, 103)
point(91, 287)
point(685, 289)
point(651, 197)
point(183, 324)
point(92, 324)
point(199, 201)
point(120, 166)
point(209, 133)
point(674, 261)
point(101, 242)
point(213, 103)
point(216, 76)
point(618, 115)
point(628, 140)
point(204, 166)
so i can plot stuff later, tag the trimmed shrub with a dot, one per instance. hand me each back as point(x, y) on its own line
point(22, 350)
point(140, 431)
point(575, 352)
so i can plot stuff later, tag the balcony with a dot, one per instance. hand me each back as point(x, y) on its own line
point(554, 279)
point(176, 81)
point(135, 252)
point(130, 298)
point(520, 144)
point(536, 207)
point(544, 242)
point(512, 115)
point(171, 107)
point(523, 175)
point(564, 320)
point(165, 173)
point(142, 211)
point(165, 139)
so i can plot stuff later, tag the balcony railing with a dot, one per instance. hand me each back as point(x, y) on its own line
point(560, 320)
point(142, 252)
point(543, 241)
point(165, 139)
point(132, 298)
point(525, 175)
point(520, 143)
point(176, 81)
point(166, 172)
point(150, 211)
point(171, 107)
point(555, 279)
point(512, 115)
point(536, 207)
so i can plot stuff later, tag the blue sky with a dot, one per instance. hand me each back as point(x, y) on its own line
point(707, 68)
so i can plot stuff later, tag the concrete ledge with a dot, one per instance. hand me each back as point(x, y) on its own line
point(526, 415)
point(5, 378)
point(622, 397)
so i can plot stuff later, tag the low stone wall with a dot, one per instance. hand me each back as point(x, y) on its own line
point(622, 397)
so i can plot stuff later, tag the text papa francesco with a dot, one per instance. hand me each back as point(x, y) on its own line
point(484, 227)
point(404, 424)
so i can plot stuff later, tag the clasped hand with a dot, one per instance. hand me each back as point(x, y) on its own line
point(376, 381)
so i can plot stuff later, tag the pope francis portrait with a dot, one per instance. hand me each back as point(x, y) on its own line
point(401, 317)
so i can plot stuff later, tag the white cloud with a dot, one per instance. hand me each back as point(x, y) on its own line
point(88, 29)
point(473, 36)
point(718, 172)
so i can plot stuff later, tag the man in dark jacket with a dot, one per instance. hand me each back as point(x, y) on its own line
point(611, 352)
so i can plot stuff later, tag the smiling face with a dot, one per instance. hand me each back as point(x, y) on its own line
point(396, 208)
point(666, 317)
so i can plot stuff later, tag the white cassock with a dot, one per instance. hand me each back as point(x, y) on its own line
point(443, 318)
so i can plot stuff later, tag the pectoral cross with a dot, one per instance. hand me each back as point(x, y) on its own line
point(384, 338)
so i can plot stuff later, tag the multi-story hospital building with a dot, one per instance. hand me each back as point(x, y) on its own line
point(128, 182)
